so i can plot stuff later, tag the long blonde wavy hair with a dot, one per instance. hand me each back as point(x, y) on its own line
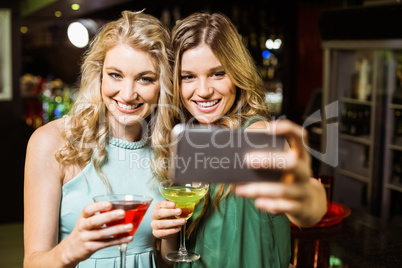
point(217, 31)
point(87, 126)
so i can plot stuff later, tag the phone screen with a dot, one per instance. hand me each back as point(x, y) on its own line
point(214, 154)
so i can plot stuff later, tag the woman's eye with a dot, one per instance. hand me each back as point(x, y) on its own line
point(219, 74)
point(147, 80)
point(115, 75)
point(186, 77)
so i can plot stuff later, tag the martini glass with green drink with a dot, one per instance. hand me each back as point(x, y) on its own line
point(185, 196)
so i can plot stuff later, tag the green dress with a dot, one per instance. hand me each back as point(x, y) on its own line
point(239, 235)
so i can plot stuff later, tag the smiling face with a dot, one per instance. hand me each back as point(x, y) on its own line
point(206, 90)
point(130, 89)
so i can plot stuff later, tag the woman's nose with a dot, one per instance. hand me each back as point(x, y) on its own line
point(204, 89)
point(128, 92)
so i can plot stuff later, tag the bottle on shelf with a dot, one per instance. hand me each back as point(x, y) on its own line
point(366, 120)
point(397, 138)
point(47, 105)
point(352, 114)
point(355, 80)
point(360, 80)
point(364, 89)
point(347, 124)
point(397, 95)
point(396, 168)
point(355, 119)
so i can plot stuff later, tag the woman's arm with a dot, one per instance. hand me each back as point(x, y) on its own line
point(42, 194)
point(301, 197)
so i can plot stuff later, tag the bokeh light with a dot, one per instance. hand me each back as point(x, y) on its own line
point(273, 44)
point(266, 54)
point(24, 29)
point(75, 6)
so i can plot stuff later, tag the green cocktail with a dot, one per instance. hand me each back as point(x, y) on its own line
point(185, 198)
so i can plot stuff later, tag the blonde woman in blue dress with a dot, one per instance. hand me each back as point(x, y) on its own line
point(103, 146)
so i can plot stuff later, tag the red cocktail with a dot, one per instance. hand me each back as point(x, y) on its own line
point(135, 207)
point(135, 211)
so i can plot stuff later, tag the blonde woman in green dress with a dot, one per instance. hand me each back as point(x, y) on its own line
point(215, 81)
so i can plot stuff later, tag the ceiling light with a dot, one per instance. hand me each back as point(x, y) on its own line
point(78, 34)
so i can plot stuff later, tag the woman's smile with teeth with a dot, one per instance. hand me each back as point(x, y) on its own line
point(128, 107)
point(206, 103)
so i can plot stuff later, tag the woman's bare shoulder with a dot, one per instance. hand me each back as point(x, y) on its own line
point(49, 135)
point(40, 156)
point(259, 125)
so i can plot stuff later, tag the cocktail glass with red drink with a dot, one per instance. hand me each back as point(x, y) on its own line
point(135, 207)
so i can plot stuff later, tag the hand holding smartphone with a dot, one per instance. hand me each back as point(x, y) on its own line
point(220, 155)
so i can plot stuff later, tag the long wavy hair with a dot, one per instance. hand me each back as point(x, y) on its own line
point(87, 126)
point(218, 32)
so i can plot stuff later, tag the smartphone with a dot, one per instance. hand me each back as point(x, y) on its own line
point(219, 155)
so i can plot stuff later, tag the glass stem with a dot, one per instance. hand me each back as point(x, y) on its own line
point(123, 252)
point(182, 248)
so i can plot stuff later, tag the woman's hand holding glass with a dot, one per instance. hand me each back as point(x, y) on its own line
point(166, 226)
point(88, 236)
point(301, 197)
point(183, 198)
point(164, 223)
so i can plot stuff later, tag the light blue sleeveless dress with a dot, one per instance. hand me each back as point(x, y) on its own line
point(128, 171)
